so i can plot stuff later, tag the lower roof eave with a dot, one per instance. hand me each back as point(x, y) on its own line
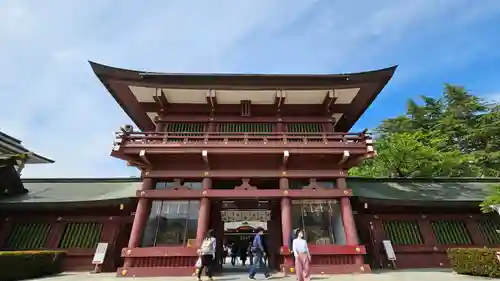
point(418, 203)
point(64, 205)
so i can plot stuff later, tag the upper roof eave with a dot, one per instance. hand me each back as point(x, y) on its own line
point(116, 81)
point(108, 72)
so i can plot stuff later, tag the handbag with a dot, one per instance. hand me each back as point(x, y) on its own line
point(198, 263)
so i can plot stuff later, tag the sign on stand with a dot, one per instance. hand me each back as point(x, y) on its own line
point(100, 253)
point(389, 252)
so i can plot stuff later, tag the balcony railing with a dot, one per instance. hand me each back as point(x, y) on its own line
point(136, 139)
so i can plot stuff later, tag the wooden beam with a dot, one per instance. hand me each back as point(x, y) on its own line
point(286, 155)
point(180, 118)
point(179, 108)
point(204, 155)
point(224, 174)
point(138, 165)
point(235, 149)
point(239, 193)
point(161, 99)
point(358, 159)
point(329, 100)
point(211, 99)
point(144, 158)
point(246, 108)
point(345, 157)
point(279, 100)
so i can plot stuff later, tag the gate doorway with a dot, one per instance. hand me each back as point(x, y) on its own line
point(239, 221)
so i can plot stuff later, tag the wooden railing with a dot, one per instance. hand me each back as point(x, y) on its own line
point(140, 138)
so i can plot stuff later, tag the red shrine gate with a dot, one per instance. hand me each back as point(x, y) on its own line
point(206, 139)
point(168, 260)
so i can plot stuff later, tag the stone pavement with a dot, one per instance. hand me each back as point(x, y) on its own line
point(401, 275)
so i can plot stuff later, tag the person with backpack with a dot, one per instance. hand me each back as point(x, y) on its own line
point(207, 254)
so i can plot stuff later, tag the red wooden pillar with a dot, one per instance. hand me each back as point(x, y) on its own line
point(109, 234)
point(286, 214)
point(140, 219)
point(351, 235)
point(475, 232)
point(211, 127)
point(5, 230)
point(160, 127)
point(55, 234)
point(280, 127)
point(203, 214)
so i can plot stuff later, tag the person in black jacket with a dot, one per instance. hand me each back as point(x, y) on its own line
point(290, 243)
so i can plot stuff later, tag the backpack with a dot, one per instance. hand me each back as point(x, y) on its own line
point(206, 246)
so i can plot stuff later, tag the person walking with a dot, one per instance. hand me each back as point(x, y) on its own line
point(258, 252)
point(233, 251)
point(293, 235)
point(302, 257)
point(249, 253)
point(207, 254)
point(225, 250)
point(243, 254)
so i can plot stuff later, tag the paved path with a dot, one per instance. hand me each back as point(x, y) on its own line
point(420, 275)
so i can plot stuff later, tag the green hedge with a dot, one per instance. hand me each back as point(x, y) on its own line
point(476, 262)
point(20, 265)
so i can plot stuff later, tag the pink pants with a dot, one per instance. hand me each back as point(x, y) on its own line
point(302, 266)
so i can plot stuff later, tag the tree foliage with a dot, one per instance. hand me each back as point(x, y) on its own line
point(492, 199)
point(455, 135)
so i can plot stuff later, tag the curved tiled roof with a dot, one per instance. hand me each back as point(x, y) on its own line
point(75, 190)
point(102, 189)
point(10, 146)
point(425, 189)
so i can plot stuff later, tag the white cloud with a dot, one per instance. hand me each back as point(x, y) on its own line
point(50, 99)
point(493, 97)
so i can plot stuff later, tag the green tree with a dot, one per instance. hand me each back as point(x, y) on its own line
point(454, 135)
point(492, 199)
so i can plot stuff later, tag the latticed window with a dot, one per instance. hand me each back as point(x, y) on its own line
point(403, 232)
point(246, 127)
point(489, 228)
point(304, 128)
point(297, 184)
point(28, 236)
point(81, 235)
point(451, 232)
point(185, 128)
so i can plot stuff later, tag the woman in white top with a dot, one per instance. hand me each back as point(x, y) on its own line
point(302, 257)
point(207, 254)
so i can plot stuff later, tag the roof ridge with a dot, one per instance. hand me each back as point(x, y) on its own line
point(80, 180)
point(427, 179)
point(374, 179)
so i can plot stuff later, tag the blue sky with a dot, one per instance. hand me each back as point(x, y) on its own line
point(50, 98)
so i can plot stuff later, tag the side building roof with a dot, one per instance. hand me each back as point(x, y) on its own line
point(102, 190)
point(422, 191)
point(74, 191)
point(10, 146)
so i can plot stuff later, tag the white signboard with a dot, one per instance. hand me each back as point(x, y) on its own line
point(389, 251)
point(100, 253)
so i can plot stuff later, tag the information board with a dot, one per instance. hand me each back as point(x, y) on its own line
point(100, 253)
point(389, 251)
